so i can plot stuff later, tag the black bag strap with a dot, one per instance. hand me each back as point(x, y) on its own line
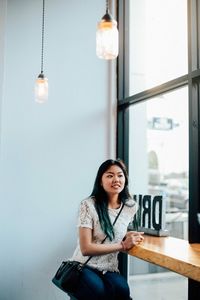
point(106, 235)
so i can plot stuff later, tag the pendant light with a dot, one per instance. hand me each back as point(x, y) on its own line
point(107, 37)
point(41, 84)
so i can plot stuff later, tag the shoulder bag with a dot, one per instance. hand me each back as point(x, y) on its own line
point(68, 275)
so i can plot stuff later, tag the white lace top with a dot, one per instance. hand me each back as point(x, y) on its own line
point(88, 217)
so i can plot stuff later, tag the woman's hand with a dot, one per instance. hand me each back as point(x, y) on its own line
point(132, 238)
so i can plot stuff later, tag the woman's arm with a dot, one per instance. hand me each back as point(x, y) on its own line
point(89, 248)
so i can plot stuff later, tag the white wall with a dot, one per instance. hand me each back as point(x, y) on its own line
point(49, 153)
point(2, 47)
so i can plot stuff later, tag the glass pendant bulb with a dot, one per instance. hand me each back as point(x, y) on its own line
point(107, 38)
point(41, 89)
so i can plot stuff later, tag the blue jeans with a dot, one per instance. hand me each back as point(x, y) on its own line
point(95, 285)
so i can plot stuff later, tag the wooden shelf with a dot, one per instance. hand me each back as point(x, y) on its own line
point(174, 254)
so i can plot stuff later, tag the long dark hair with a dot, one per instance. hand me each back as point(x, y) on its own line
point(101, 197)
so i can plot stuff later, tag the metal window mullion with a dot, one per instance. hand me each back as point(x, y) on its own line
point(156, 91)
point(123, 114)
point(194, 113)
point(194, 228)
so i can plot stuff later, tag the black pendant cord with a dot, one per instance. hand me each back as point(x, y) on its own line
point(107, 6)
point(42, 48)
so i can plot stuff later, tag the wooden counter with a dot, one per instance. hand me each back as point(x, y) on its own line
point(174, 254)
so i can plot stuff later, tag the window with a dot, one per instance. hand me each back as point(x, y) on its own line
point(158, 113)
point(157, 42)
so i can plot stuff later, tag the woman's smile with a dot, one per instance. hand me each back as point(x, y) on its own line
point(115, 185)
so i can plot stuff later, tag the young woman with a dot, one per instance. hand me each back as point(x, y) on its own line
point(101, 278)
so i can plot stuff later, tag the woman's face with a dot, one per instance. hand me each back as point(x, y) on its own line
point(113, 180)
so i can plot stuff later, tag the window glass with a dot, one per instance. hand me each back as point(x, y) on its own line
point(158, 166)
point(158, 155)
point(157, 43)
